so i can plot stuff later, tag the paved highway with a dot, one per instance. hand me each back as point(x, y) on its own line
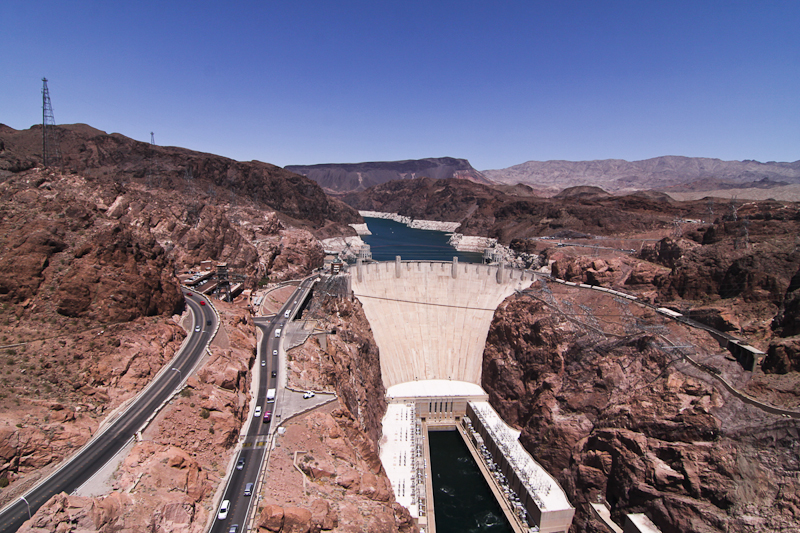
point(256, 439)
point(105, 445)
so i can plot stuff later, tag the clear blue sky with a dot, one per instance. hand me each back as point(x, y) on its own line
point(498, 83)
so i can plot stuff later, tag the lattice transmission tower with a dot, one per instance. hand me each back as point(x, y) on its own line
point(51, 154)
point(50, 151)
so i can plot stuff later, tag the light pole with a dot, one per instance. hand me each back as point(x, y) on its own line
point(178, 370)
point(29, 506)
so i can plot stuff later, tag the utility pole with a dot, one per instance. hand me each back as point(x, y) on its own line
point(150, 161)
point(50, 150)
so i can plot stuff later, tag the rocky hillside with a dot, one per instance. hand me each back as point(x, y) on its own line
point(349, 177)
point(509, 214)
point(167, 480)
point(662, 173)
point(88, 287)
point(607, 404)
point(202, 179)
point(739, 276)
point(257, 217)
point(346, 487)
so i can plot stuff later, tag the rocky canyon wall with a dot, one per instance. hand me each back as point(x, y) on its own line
point(606, 403)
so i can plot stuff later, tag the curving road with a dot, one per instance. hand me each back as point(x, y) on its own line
point(98, 451)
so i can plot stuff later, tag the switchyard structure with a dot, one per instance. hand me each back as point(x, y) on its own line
point(51, 153)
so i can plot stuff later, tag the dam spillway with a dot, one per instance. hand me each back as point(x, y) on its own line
point(430, 319)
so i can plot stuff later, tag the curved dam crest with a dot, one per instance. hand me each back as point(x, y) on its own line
point(430, 319)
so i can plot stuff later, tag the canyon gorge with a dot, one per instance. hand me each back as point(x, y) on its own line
point(92, 310)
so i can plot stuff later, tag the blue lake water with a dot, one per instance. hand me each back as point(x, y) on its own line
point(390, 238)
point(463, 502)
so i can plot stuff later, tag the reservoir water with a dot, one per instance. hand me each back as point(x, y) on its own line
point(463, 502)
point(390, 238)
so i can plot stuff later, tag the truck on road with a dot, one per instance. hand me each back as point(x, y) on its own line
point(270, 395)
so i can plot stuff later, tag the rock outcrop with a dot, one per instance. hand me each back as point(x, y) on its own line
point(88, 287)
point(615, 415)
point(326, 476)
point(694, 173)
point(489, 211)
point(327, 463)
point(353, 177)
point(348, 364)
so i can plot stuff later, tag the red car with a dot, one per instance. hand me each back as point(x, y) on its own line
point(202, 302)
point(267, 416)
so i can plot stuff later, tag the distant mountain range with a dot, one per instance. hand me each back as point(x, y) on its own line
point(668, 173)
point(671, 174)
point(354, 177)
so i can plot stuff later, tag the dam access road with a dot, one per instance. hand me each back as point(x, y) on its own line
point(254, 441)
point(108, 441)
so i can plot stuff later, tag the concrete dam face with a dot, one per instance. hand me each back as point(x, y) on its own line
point(430, 319)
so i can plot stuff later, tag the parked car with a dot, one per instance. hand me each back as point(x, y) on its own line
point(240, 463)
point(257, 412)
point(223, 510)
point(308, 394)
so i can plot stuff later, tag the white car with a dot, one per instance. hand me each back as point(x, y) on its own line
point(197, 328)
point(275, 353)
point(257, 412)
point(223, 510)
point(307, 395)
point(263, 362)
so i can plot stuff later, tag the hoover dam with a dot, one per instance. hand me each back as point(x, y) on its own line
point(430, 321)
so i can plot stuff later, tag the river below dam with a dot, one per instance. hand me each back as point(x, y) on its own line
point(390, 239)
point(463, 502)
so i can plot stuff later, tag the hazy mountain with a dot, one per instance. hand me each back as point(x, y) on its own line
point(349, 177)
point(674, 173)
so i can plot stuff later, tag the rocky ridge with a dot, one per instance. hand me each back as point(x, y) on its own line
point(616, 415)
point(491, 212)
point(89, 292)
point(200, 177)
point(659, 173)
point(352, 177)
point(168, 479)
point(326, 473)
